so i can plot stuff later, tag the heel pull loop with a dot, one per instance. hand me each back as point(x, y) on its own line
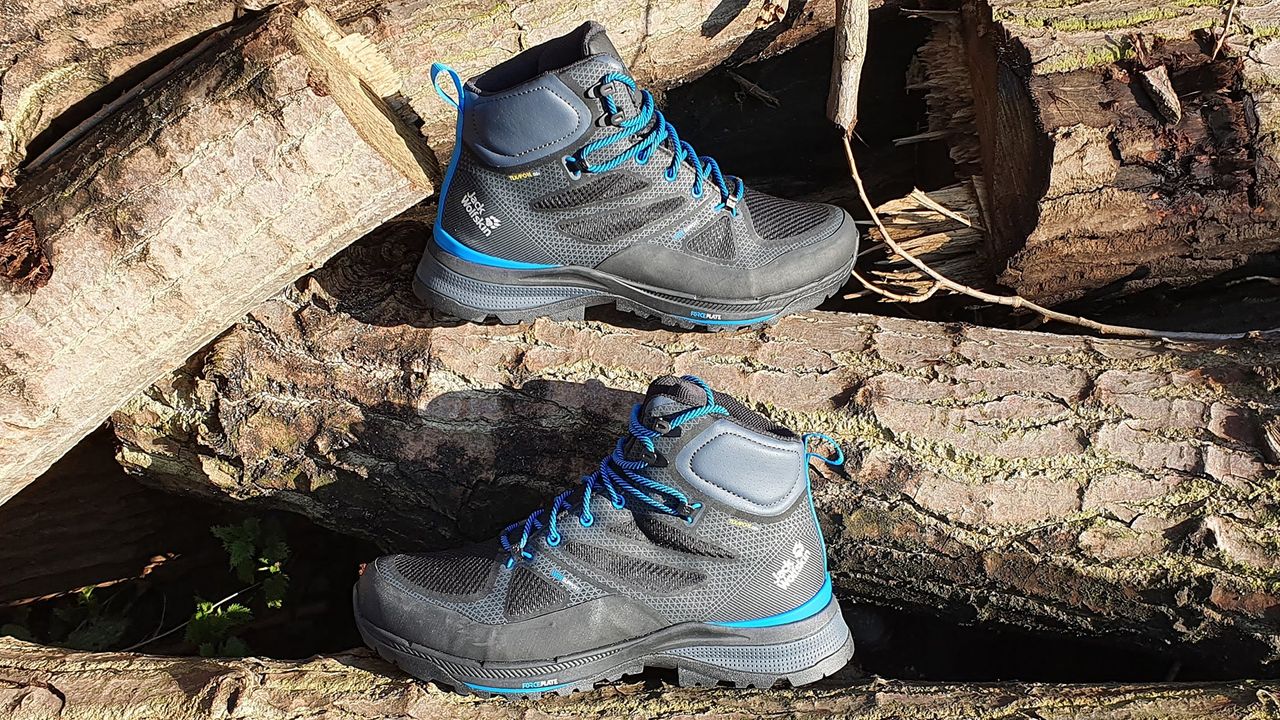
point(438, 69)
point(832, 461)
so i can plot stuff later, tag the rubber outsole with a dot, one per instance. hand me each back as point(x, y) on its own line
point(477, 293)
point(699, 657)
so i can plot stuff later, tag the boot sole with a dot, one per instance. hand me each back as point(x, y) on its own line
point(702, 654)
point(478, 293)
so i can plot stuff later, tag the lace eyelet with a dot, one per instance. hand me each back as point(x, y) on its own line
point(670, 176)
point(693, 516)
point(643, 158)
point(587, 521)
point(511, 562)
point(696, 192)
point(553, 540)
point(619, 504)
point(573, 174)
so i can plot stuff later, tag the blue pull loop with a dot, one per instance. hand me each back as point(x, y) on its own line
point(837, 460)
point(440, 68)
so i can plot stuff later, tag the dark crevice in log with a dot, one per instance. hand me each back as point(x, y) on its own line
point(86, 523)
point(94, 102)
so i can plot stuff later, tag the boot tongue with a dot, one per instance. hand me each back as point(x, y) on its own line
point(595, 41)
point(670, 395)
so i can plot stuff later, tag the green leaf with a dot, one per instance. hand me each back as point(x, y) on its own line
point(274, 588)
point(276, 551)
point(213, 625)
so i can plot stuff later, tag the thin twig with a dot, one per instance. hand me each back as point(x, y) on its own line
point(754, 90)
point(923, 198)
point(1015, 301)
point(1226, 28)
point(921, 297)
point(171, 631)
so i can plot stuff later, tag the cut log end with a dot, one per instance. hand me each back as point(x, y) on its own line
point(366, 86)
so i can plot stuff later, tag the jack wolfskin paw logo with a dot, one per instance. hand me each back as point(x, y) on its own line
point(475, 209)
point(792, 566)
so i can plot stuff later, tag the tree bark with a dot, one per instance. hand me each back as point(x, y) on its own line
point(245, 168)
point(40, 683)
point(54, 55)
point(1031, 479)
point(1117, 153)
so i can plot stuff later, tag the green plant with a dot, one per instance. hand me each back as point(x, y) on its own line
point(257, 552)
point(212, 629)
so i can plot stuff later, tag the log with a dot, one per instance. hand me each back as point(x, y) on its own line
point(65, 518)
point(56, 55)
point(1117, 153)
point(40, 683)
point(249, 165)
point(1111, 489)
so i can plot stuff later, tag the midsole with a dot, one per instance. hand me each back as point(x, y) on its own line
point(450, 275)
point(777, 650)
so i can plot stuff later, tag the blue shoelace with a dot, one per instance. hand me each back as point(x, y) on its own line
point(661, 131)
point(619, 477)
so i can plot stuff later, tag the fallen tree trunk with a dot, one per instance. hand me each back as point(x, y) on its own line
point(282, 143)
point(1030, 479)
point(1117, 153)
point(54, 55)
point(63, 62)
point(40, 683)
point(58, 526)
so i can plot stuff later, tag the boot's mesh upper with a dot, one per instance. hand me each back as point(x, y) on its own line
point(777, 219)
point(636, 572)
point(721, 566)
point(530, 593)
point(602, 187)
point(608, 227)
point(445, 573)
point(667, 534)
point(714, 241)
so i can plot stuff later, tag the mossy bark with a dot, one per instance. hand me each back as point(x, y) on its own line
point(1118, 153)
point(1091, 487)
point(248, 166)
point(39, 683)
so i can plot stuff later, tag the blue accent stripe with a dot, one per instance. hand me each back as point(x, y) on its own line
point(750, 321)
point(449, 244)
point(514, 691)
point(812, 607)
point(443, 239)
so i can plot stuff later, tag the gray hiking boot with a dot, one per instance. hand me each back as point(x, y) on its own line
point(567, 189)
point(693, 546)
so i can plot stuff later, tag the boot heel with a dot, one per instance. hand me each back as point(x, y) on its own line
point(476, 293)
point(759, 657)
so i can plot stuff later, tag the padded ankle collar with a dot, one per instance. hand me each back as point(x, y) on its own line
point(525, 124)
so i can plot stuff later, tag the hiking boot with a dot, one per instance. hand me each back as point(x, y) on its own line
point(693, 546)
point(568, 189)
